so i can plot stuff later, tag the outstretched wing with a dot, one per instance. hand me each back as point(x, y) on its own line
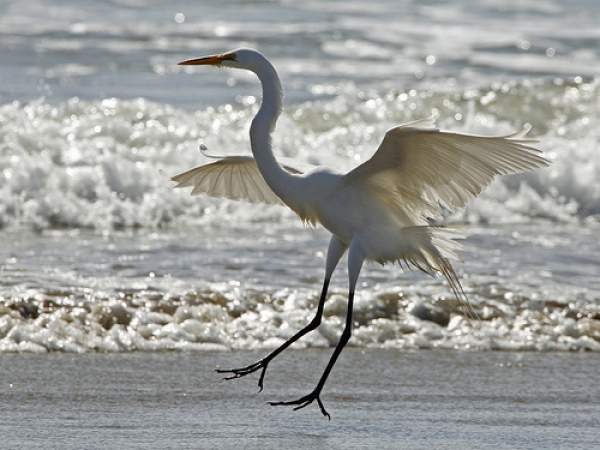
point(232, 177)
point(424, 168)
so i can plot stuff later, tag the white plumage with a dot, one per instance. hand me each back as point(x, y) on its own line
point(382, 210)
point(232, 177)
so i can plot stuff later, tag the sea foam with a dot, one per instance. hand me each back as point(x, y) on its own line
point(84, 175)
point(106, 164)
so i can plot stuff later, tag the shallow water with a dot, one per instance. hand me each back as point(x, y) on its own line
point(121, 292)
point(100, 254)
point(383, 398)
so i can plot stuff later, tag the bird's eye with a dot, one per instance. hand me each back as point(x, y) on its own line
point(230, 56)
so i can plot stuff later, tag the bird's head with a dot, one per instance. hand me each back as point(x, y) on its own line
point(242, 58)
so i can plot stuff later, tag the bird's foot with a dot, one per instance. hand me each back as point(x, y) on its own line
point(243, 371)
point(305, 401)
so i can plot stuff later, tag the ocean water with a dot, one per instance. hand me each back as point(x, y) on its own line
point(98, 252)
point(119, 295)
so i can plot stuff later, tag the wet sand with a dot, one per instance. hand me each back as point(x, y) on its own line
point(376, 398)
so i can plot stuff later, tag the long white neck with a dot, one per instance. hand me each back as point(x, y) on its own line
point(280, 181)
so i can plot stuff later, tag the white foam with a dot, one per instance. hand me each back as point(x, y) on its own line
point(114, 326)
point(106, 164)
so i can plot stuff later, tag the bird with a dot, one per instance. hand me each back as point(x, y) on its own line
point(387, 209)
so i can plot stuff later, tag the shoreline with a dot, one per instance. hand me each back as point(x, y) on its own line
point(388, 398)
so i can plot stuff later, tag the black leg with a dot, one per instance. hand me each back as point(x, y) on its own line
point(315, 394)
point(334, 253)
point(264, 362)
point(355, 260)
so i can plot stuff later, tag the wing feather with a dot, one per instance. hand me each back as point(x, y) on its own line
point(429, 169)
point(232, 177)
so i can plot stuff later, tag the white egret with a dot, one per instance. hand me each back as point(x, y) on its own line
point(379, 211)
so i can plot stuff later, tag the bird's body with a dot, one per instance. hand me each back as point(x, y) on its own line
point(381, 211)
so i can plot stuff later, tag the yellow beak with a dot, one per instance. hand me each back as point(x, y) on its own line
point(212, 60)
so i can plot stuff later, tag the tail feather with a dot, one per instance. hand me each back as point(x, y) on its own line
point(434, 247)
